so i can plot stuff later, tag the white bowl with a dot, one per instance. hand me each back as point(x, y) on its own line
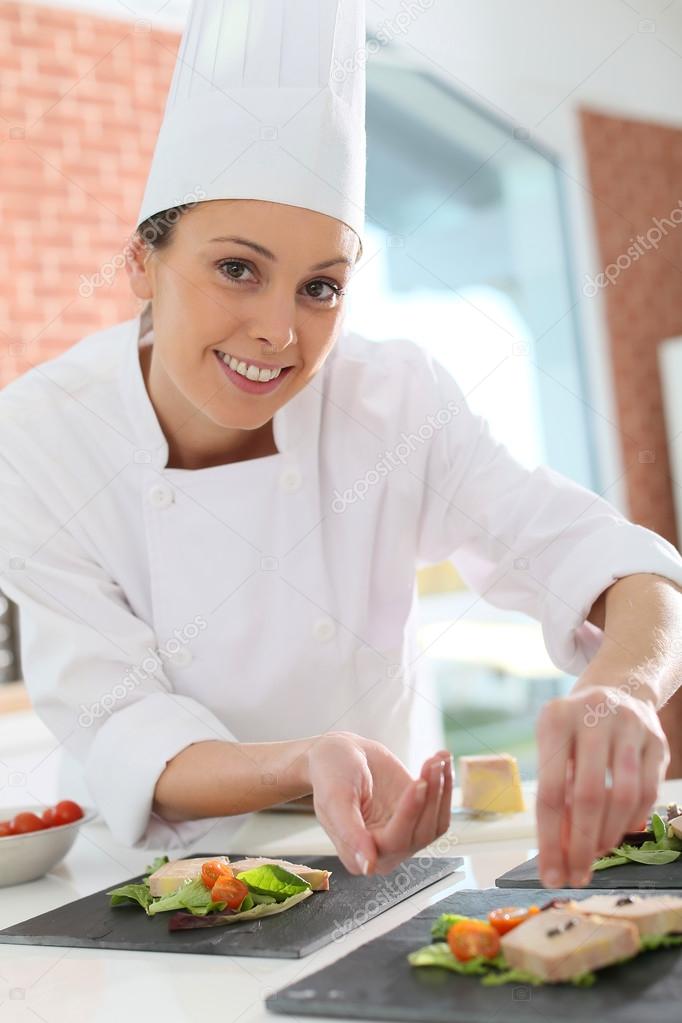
point(29, 856)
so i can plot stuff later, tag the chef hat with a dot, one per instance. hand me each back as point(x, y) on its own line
point(267, 101)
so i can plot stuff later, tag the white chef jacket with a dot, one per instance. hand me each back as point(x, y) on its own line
point(273, 598)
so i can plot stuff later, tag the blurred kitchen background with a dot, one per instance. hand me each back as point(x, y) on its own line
point(516, 154)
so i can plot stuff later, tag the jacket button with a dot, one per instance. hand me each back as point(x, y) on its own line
point(290, 480)
point(182, 657)
point(161, 495)
point(324, 630)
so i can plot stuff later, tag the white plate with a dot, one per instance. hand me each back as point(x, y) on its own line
point(29, 856)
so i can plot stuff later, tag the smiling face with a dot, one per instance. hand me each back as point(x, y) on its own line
point(256, 281)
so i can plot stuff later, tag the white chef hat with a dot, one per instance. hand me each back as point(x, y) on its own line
point(267, 101)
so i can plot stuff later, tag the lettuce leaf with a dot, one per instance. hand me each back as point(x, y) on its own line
point(130, 893)
point(273, 880)
point(183, 921)
point(193, 896)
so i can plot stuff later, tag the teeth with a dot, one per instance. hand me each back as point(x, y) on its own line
point(250, 372)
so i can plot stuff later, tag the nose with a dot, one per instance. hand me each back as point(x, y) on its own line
point(273, 323)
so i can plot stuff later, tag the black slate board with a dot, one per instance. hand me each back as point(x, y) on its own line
point(376, 981)
point(630, 875)
point(351, 900)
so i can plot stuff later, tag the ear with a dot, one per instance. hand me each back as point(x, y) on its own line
point(137, 254)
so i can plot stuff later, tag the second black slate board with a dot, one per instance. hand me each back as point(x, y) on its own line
point(375, 982)
point(629, 875)
point(351, 900)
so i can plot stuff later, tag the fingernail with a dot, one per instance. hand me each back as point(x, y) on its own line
point(421, 788)
point(553, 878)
point(362, 862)
point(578, 879)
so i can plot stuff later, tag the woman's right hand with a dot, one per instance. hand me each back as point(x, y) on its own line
point(375, 813)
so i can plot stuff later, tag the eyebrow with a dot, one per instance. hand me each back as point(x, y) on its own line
point(262, 251)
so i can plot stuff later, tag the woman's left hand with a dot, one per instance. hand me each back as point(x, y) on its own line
point(580, 736)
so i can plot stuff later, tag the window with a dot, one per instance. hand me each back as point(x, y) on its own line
point(467, 254)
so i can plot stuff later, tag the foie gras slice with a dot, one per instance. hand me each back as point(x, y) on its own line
point(651, 914)
point(317, 879)
point(491, 783)
point(168, 878)
point(558, 945)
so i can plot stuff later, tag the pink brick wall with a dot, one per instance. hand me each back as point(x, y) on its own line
point(81, 99)
point(635, 170)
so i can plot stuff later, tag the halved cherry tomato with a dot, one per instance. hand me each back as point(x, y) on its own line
point(25, 822)
point(6, 829)
point(470, 938)
point(211, 871)
point(230, 890)
point(506, 919)
point(66, 812)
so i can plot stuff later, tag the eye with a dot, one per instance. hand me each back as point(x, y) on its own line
point(226, 266)
point(336, 291)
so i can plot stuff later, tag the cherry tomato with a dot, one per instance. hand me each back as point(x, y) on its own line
point(6, 829)
point(506, 919)
point(25, 822)
point(230, 890)
point(211, 871)
point(66, 812)
point(470, 938)
point(49, 817)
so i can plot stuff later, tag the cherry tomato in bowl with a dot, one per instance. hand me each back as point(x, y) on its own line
point(30, 845)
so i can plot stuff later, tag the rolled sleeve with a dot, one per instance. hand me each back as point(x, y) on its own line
point(530, 540)
point(80, 645)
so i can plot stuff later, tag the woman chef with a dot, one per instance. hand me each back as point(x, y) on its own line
point(211, 522)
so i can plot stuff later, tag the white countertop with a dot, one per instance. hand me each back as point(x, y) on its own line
point(60, 985)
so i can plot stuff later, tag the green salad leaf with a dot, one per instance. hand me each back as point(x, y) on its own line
point(650, 942)
point(658, 826)
point(609, 861)
point(273, 880)
point(193, 895)
point(155, 865)
point(438, 954)
point(129, 893)
point(651, 855)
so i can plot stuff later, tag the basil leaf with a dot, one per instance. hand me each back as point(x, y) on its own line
point(656, 856)
point(658, 827)
point(615, 860)
point(129, 893)
point(272, 879)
